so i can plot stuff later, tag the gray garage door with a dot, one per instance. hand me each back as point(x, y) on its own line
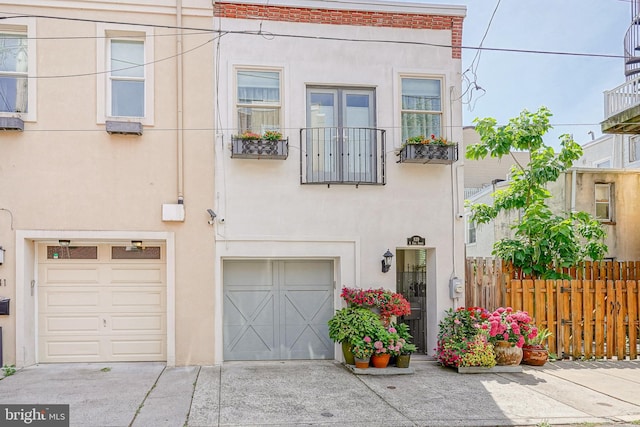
point(275, 310)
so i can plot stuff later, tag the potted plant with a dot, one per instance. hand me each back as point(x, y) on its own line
point(350, 324)
point(436, 149)
point(362, 349)
point(457, 332)
point(534, 351)
point(479, 353)
point(250, 145)
point(387, 303)
point(387, 344)
point(507, 331)
point(404, 358)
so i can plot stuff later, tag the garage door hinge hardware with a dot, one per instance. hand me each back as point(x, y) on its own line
point(33, 285)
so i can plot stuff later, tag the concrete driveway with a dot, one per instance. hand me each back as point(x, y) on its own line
point(325, 393)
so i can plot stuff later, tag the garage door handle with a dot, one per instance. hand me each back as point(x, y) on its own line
point(104, 322)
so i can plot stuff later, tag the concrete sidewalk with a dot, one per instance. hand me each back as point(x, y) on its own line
point(325, 393)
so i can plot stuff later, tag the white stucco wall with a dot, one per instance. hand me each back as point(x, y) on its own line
point(268, 213)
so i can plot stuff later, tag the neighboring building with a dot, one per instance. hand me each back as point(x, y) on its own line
point(610, 195)
point(607, 194)
point(479, 174)
point(622, 104)
point(611, 151)
point(136, 228)
point(481, 178)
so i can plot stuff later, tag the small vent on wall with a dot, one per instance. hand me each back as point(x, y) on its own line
point(11, 123)
point(123, 128)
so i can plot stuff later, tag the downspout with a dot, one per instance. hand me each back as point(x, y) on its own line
point(179, 103)
point(573, 190)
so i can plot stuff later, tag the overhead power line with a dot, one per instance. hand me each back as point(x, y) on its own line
point(315, 37)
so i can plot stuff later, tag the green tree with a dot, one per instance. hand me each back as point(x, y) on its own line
point(543, 240)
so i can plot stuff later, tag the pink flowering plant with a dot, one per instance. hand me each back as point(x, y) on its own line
point(457, 335)
point(389, 303)
point(505, 324)
point(388, 341)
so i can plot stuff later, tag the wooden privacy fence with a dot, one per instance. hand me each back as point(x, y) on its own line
point(596, 314)
point(588, 318)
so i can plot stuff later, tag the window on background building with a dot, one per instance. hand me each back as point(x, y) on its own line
point(127, 78)
point(634, 148)
point(471, 231)
point(421, 107)
point(602, 163)
point(604, 202)
point(258, 100)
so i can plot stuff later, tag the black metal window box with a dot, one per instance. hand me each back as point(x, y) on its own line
point(429, 153)
point(259, 148)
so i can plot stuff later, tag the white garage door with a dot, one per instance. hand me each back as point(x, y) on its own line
point(276, 310)
point(99, 303)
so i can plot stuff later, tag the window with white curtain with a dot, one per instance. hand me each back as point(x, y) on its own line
point(258, 100)
point(421, 107)
point(127, 77)
point(14, 67)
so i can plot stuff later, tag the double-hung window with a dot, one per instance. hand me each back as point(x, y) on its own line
point(13, 73)
point(258, 100)
point(471, 231)
point(604, 202)
point(17, 63)
point(421, 107)
point(125, 83)
point(126, 77)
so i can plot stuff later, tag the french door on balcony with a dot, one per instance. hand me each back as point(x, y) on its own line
point(341, 139)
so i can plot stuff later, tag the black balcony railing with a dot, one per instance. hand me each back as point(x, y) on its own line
point(342, 155)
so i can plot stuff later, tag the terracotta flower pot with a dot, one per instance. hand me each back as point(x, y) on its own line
point(507, 353)
point(380, 360)
point(534, 355)
point(362, 363)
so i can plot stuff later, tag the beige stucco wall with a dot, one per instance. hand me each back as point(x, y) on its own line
point(621, 236)
point(65, 176)
point(268, 213)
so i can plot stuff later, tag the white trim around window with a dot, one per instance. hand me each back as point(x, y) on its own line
point(264, 97)
point(418, 101)
point(106, 33)
point(27, 28)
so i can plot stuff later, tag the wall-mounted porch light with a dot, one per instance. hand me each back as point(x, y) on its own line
point(386, 262)
point(137, 244)
point(64, 243)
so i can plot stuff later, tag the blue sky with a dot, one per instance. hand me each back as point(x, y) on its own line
point(571, 87)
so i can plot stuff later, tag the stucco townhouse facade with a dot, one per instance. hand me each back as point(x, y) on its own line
point(135, 223)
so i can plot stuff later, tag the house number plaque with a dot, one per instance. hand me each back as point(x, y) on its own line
point(416, 241)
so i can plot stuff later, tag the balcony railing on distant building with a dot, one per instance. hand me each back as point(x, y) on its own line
point(342, 155)
point(621, 98)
